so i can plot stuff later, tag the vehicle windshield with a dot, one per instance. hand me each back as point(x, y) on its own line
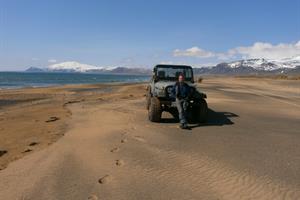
point(171, 73)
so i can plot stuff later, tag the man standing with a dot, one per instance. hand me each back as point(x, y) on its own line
point(182, 90)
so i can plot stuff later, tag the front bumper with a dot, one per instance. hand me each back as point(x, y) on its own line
point(173, 103)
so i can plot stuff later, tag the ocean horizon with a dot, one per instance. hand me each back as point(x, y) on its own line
point(14, 80)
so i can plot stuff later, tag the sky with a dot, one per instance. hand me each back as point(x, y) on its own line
point(140, 33)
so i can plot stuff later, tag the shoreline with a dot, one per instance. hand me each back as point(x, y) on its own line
point(19, 80)
point(34, 118)
point(69, 84)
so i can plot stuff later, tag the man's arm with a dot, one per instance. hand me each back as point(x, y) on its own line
point(189, 91)
point(175, 91)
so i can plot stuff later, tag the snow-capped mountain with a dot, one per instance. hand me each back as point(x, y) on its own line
point(247, 66)
point(267, 65)
point(288, 62)
point(254, 66)
point(72, 66)
point(77, 67)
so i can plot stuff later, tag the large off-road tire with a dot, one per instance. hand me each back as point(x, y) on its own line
point(154, 111)
point(148, 99)
point(200, 111)
point(202, 116)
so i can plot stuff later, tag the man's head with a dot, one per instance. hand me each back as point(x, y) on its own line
point(181, 78)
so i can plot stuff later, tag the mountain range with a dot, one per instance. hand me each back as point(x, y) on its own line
point(240, 67)
point(76, 67)
point(254, 67)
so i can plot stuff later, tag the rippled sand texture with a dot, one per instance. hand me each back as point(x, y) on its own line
point(248, 149)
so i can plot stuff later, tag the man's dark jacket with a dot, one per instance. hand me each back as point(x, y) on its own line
point(181, 90)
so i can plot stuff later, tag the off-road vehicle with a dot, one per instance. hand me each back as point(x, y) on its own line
point(160, 95)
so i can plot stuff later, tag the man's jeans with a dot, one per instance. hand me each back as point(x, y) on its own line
point(182, 106)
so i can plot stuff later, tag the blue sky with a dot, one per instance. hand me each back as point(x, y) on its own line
point(142, 33)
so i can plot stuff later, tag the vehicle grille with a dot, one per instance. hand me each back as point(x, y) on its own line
point(169, 91)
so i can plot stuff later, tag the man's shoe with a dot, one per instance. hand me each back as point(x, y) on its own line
point(181, 126)
point(185, 126)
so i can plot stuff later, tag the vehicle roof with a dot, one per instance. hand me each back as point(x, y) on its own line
point(174, 66)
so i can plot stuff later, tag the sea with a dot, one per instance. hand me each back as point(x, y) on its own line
point(12, 80)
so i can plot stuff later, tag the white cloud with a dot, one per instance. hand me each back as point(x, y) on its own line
point(257, 50)
point(193, 52)
point(269, 51)
point(52, 61)
point(211, 64)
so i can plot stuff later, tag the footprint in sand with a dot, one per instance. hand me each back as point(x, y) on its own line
point(52, 119)
point(2, 152)
point(33, 143)
point(124, 140)
point(139, 138)
point(93, 197)
point(27, 150)
point(104, 179)
point(119, 162)
point(116, 149)
point(124, 133)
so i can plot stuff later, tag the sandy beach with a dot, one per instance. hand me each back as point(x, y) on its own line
point(95, 142)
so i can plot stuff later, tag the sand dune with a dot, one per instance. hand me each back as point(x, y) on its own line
point(248, 149)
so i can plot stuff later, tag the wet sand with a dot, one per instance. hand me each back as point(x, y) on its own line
point(248, 149)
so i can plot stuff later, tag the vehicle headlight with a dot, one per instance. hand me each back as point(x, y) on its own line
point(169, 90)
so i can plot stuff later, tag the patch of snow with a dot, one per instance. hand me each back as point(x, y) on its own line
point(72, 66)
point(267, 65)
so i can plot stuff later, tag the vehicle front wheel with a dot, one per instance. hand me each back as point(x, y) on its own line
point(154, 112)
point(148, 100)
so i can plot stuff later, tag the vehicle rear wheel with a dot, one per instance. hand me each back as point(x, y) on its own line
point(200, 112)
point(154, 112)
